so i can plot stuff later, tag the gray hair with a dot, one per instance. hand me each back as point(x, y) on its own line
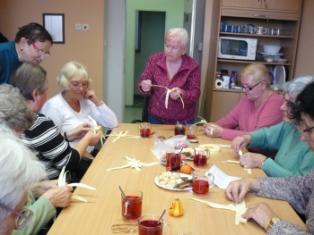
point(293, 88)
point(14, 111)
point(19, 169)
point(28, 78)
point(179, 34)
point(69, 70)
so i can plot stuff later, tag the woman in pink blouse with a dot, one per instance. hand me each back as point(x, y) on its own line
point(171, 79)
point(259, 107)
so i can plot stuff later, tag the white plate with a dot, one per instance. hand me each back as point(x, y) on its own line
point(167, 187)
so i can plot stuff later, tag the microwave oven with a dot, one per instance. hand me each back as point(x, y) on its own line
point(237, 48)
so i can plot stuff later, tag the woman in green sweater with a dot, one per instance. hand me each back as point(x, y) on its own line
point(294, 157)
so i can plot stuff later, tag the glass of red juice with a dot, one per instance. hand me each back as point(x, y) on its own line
point(200, 157)
point(200, 185)
point(173, 161)
point(145, 130)
point(131, 204)
point(150, 225)
point(191, 135)
point(179, 129)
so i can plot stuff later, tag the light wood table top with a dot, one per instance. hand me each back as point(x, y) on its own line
point(104, 206)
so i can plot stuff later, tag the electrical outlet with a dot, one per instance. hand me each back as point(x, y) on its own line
point(85, 27)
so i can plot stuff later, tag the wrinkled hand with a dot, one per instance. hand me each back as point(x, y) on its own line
point(146, 85)
point(261, 214)
point(240, 142)
point(213, 130)
point(237, 190)
point(176, 93)
point(78, 132)
point(91, 95)
point(59, 196)
point(252, 160)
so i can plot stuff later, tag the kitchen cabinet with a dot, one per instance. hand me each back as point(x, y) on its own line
point(279, 21)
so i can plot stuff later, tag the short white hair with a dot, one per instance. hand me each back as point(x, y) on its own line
point(179, 34)
point(293, 88)
point(70, 69)
point(19, 169)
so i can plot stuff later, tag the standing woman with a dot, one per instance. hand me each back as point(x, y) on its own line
point(77, 105)
point(171, 69)
point(259, 107)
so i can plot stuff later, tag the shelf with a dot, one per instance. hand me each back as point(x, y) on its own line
point(252, 61)
point(228, 90)
point(257, 35)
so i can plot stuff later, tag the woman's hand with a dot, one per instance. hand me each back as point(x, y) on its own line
point(91, 95)
point(59, 196)
point(213, 130)
point(252, 160)
point(240, 142)
point(237, 190)
point(78, 132)
point(176, 93)
point(261, 214)
point(146, 85)
point(92, 137)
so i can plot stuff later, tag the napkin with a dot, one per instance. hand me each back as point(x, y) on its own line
point(221, 179)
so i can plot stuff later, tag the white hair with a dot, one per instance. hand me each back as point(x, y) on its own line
point(179, 34)
point(70, 69)
point(19, 169)
point(293, 88)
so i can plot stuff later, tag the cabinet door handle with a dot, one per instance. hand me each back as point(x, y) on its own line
point(259, 16)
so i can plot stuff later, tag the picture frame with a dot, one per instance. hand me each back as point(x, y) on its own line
point(54, 24)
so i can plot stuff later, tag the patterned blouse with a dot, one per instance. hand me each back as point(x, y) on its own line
point(299, 192)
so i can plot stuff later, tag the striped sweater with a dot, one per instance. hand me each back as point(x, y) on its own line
point(52, 149)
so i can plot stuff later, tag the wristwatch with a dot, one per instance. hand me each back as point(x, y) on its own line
point(273, 221)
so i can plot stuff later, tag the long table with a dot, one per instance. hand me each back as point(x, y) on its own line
point(104, 207)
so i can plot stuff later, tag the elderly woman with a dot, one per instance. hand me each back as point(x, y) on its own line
point(78, 102)
point(171, 79)
point(50, 196)
point(297, 190)
point(293, 157)
point(260, 107)
point(19, 170)
point(43, 136)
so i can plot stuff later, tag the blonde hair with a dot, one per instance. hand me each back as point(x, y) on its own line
point(69, 70)
point(178, 34)
point(258, 71)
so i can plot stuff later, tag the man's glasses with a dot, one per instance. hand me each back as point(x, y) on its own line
point(40, 51)
point(23, 217)
point(249, 88)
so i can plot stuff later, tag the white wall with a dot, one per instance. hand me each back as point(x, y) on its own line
point(114, 56)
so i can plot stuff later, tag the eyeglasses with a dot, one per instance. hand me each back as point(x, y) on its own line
point(23, 217)
point(250, 87)
point(40, 51)
point(173, 48)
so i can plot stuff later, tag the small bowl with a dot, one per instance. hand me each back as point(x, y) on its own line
point(271, 49)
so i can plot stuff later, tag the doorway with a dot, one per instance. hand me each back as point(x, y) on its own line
point(150, 30)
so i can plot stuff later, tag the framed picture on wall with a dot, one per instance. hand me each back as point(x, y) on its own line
point(54, 24)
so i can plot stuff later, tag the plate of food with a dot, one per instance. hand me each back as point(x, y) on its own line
point(174, 181)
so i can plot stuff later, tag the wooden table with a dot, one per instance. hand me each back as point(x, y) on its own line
point(104, 206)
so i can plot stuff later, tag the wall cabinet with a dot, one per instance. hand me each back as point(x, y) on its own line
point(270, 22)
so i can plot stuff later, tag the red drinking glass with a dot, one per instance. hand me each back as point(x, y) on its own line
point(173, 161)
point(200, 185)
point(191, 135)
point(145, 130)
point(179, 129)
point(132, 205)
point(150, 225)
point(200, 157)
